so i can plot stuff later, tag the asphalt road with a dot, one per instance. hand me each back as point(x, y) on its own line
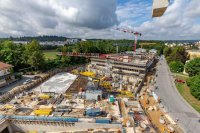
point(13, 85)
point(178, 108)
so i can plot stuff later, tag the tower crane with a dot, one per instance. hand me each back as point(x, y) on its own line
point(135, 33)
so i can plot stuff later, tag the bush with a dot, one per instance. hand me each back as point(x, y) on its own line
point(176, 66)
point(194, 84)
point(18, 76)
point(193, 67)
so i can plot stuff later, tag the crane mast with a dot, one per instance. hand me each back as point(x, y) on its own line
point(136, 35)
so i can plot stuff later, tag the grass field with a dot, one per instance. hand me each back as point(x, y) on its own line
point(184, 90)
point(50, 54)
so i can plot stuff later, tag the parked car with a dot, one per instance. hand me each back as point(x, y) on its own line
point(180, 81)
point(27, 81)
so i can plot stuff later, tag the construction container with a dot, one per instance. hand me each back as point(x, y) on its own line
point(93, 95)
point(112, 99)
point(159, 7)
point(93, 112)
point(106, 121)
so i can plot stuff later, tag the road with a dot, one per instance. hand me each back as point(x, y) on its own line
point(13, 85)
point(178, 108)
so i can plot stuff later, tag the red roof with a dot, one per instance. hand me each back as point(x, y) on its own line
point(4, 66)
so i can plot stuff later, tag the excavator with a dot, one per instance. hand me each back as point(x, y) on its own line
point(159, 7)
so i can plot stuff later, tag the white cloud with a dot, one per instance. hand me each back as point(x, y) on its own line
point(35, 17)
point(93, 18)
point(179, 22)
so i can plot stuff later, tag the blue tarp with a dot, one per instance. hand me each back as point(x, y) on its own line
point(103, 121)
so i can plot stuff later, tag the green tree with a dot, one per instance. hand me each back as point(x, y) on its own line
point(167, 51)
point(178, 54)
point(193, 67)
point(34, 55)
point(12, 53)
point(176, 66)
point(194, 84)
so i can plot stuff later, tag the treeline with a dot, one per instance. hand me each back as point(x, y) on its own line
point(194, 84)
point(177, 57)
point(30, 57)
point(108, 46)
point(193, 69)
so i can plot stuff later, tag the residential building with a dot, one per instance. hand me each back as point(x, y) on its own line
point(6, 76)
point(193, 54)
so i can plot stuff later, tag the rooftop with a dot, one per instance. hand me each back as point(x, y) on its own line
point(4, 66)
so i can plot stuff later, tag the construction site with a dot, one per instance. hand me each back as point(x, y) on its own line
point(113, 93)
point(98, 97)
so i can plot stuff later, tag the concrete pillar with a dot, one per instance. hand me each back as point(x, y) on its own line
point(10, 129)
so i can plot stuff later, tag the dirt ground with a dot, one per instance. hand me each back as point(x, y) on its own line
point(80, 82)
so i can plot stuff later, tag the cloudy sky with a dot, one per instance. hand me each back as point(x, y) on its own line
point(96, 19)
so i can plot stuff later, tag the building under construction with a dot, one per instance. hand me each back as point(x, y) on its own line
point(125, 68)
point(91, 98)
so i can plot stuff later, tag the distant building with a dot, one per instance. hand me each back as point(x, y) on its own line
point(197, 44)
point(193, 54)
point(141, 51)
point(6, 76)
point(20, 42)
point(69, 41)
point(153, 51)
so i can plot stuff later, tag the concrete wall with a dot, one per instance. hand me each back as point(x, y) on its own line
point(55, 127)
point(5, 124)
